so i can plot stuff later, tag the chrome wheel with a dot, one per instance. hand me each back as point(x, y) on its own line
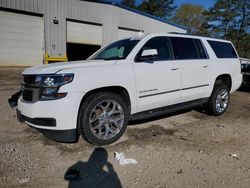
point(106, 119)
point(222, 101)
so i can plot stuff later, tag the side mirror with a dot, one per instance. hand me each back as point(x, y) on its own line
point(148, 55)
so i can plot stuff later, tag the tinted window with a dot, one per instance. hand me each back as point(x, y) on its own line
point(184, 48)
point(223, 49)
point(201, 50)
point(162, 45)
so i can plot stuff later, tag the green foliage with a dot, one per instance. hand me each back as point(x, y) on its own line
point(129, 3)
point(227, 19)
point(230, 19)
point(190, 16)
point(220, 18)
point(159, 8)
point(241, 41)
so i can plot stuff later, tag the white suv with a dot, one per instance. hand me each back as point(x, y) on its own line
point(138, 77)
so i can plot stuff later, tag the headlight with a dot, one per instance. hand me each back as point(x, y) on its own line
point(55, 80)
point(50, 84)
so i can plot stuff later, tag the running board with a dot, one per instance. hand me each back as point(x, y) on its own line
point(168, 109)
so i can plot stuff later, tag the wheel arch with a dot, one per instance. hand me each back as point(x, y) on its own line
point(89, 96)
point(225, 79)
point(115, 89)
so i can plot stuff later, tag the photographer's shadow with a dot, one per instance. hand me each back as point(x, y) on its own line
point(96, 172)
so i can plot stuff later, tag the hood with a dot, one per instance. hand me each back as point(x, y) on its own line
point(56, 67)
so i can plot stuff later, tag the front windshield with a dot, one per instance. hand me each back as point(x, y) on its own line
point(116, 50)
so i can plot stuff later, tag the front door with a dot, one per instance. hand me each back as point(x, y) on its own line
point(158, 78)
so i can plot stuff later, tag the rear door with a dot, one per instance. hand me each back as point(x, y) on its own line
point(194, 65)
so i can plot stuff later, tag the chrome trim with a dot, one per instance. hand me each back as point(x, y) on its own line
point(171, 91)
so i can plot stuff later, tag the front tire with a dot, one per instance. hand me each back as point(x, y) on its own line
point(219, 100)
point(103, 118)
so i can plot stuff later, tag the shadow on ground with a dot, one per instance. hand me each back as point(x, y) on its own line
point(244, 89)
point(96, 172)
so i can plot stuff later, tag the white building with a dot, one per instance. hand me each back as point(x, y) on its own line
point(33, 32)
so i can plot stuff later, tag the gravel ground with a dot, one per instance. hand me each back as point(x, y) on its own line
point(183, 150)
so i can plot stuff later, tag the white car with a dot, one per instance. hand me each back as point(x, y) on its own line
point(134, 78)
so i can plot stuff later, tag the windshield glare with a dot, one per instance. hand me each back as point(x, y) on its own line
point(117, 50)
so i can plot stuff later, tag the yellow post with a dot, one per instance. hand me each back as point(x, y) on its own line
point(51, 59)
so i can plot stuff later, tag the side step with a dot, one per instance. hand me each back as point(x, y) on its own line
point(168, 109)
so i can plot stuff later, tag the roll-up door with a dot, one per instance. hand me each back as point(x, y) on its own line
point(21, 39)
point(83, 33)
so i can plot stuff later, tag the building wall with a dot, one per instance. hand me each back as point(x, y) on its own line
point(109, 16)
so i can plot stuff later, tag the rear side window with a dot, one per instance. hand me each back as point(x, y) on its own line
point(201, 50)
point(188, 48)
point(223, 49)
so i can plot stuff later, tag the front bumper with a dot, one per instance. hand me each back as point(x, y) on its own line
point(64, 136)
point(55, 119)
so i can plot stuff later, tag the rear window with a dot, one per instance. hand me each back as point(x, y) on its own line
point(188, 48)
point(223, 49)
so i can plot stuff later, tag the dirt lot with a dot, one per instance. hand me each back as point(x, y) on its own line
point(185, 150)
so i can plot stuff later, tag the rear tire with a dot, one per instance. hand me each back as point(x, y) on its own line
point(219, 100)
point(103, 118)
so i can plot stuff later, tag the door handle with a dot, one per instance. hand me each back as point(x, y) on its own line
point(174, 69)
point(205, 66)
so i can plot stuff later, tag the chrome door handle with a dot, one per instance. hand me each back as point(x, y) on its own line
point(174, 69)
point(205, 66)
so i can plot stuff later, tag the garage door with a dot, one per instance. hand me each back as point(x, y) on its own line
point(125, 33)
point(82, 33)
point(21, 39)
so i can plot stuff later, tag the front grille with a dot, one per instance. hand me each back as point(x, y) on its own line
point(30, 90)
point(29, 79)
point(28, 95)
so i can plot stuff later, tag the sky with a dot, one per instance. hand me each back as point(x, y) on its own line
point(204, 3)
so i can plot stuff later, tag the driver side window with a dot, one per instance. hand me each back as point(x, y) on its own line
point(161, 45)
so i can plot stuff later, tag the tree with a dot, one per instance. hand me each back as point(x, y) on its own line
point(159, 8)
point(220, 17)
point(129, 3)
point(190, 16)
point(241, 41)
point(243, 13)
point(230, 20)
